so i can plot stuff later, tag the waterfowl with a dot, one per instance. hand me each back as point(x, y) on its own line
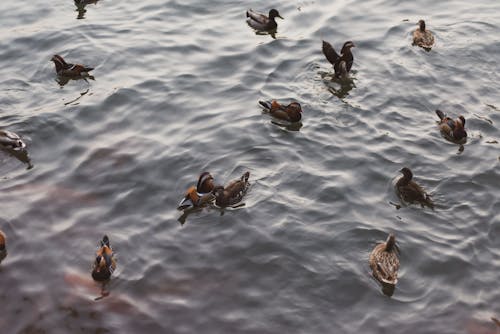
point(199, 195)
point(341, 63)
point(233, 192)
point(261, 22)
point(423, 37)
point(3, 248)
point(409, 191)
point(105, 263)
point(291, 112)
point(452, 129)
point(384, 262)
point(10, 140)
point(70, 70)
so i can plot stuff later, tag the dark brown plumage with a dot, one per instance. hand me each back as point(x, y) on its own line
point(261, 22)
point(384, 262)
point(452, 130)
point(341, 63)
point(232, 193)
point(291, 112)
point(105, 263)
point(410, 192)
point(70, 70)
point(423, 37)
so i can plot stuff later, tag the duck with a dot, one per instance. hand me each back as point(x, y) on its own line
point(199, 195)
point(3, 246)
point(423, 37)
point(409, 191)
point(341, 63)
point(261, 22)
point(291, 112)
point(70, 70)
point(10, 140)
point(105, 263)
point(232, 193)
point(384, 262)
point(453, 130)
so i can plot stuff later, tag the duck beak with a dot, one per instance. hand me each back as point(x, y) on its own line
point(185, 203)
point(281, 17)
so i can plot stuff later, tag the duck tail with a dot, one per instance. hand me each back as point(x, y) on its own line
point(245, 177)
point(440, 114)
point(265, 104)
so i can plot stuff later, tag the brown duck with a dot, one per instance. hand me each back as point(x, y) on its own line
point(291, 112)
point(3, 246)
point(453, 130)
point(70, 70)
point(410, 192)
point(233, 193)
point(105, 263)
point(199, 195)
point(341, 63)
point(384, 262)
point(423, 37)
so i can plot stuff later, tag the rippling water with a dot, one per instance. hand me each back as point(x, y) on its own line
point(175, 93)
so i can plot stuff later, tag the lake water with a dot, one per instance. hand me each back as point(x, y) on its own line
point(176, 92)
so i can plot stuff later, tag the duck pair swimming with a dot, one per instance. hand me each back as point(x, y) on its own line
point(206, 191)
point(384, 262)
point(104, 264)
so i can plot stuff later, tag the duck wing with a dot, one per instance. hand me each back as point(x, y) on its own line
point(330, 53)
point(257, 17)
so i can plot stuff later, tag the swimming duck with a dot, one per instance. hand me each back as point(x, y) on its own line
point(384, 262)
point(341, 64)
point(233, 192)
point(291, 112)
point(105, 263)
point(410, 191)
point(199, 195)
point(452, 129)
point(261, 22)
point(3, 248)
point(10, 140)
point(70, 70)
point(422, 37)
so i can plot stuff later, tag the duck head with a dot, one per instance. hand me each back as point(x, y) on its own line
point(190, 200)
point(59, 62)
point(274, 13)
point(295, 106)
point(205, 183)
point(347, 46)
point(406, 173)
point(200, 194)
point(421, 24)
point(390, 243)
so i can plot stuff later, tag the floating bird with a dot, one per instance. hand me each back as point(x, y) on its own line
point(291, 112)
point(423, 37)
point(384, 263)
point(410, 191)
point(341, 64)
point(70, 70)
point(10, 140)
point(3, 246)
point(452, 129)
point(199, 195)
point(261, 22)
point(233, 192)
point(105, 263)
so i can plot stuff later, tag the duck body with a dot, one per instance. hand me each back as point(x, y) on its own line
point(384, 262)
point(105, 263)
point(70, 70)
point(3, 246)
point(410, 192)
point(453, 130)
point(10, 140)
point(232, 193)
point(199, 195)
point(261, 22)
point(341, 63)
point(423, 37)
point(291, 112)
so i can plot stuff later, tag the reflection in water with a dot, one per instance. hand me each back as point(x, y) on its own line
point(338, 86)
point(271, 33)
point(80, 7)
point(21, 155)
point(290, 126)
point(63, 80)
